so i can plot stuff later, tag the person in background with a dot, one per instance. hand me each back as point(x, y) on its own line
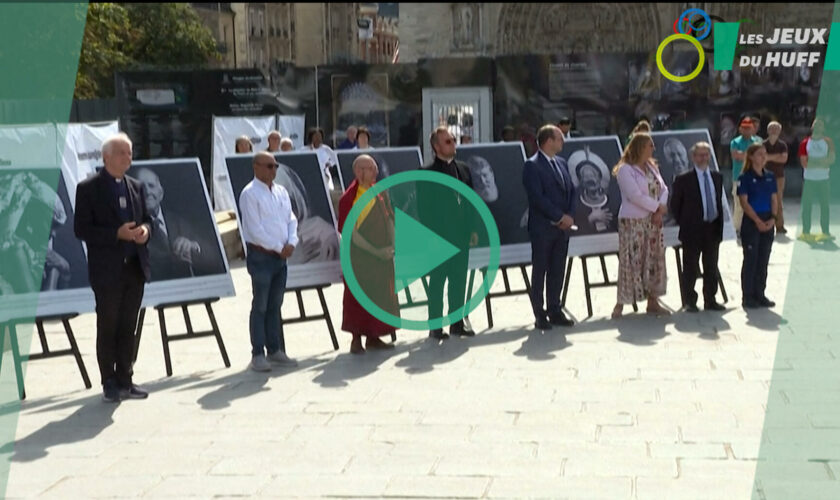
point(757, 196)
point(286, 145)
point(466, 139)
point(274, 138)
point(816, 153)
point(565, 124)
point(350, 141)
point(243, 144)
point(641, 241)
point(738, 147)
point(326, 155)
point(372, 250)
point(777, 157)
point(509, 134)
point(363, 138)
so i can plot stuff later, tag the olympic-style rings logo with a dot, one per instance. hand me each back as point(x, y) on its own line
point(686, 22)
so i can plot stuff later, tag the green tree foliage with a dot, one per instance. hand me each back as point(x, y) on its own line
point(134, 36)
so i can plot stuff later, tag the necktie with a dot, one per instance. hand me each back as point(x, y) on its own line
point(558, 172)
point(710, 198)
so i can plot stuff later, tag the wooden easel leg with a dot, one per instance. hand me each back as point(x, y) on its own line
point(327, 317)
point(76, 354)
point(586, 287)
point(565, 281)
point(16, 360)
point(164, 337)
point(139, 332)
point(217, 333)
point(722, 289)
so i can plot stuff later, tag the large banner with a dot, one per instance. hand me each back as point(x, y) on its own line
point(496, 171)
point(315, 260)
point(82, 150)
point(187, 256)
point(28, 145)
point(672, 153)
point(598, 198)
point(225, 132)
point(390, 161)
point(293, 127)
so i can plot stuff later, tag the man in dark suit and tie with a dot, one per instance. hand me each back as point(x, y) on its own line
point(112, 219)
point(442, 212)
point(697, 207)
point(551, 208)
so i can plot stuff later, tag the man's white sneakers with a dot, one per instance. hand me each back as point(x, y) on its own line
point(260, 364)
point(281, 359)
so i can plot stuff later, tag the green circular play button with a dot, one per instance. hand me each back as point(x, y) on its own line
point(440, 230)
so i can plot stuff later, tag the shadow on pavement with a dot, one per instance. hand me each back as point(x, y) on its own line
point(84, 424)
point(764, 319)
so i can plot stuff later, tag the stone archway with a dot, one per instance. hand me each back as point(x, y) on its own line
point(531, 28)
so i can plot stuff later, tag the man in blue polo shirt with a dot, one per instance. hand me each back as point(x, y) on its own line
point(737, 147)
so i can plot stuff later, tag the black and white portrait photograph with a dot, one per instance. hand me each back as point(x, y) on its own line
point(724, 85)
point(299, 173)
point(644, 78)
point(183, 242)
point(37, 246)
point(590, 161)
point(359, 103)
point(496, 171)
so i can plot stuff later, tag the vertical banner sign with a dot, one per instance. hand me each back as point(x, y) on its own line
point(225, 131)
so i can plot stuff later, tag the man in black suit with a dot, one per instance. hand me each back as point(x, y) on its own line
point(445, 213)
point(697, 208)
point(111, 217)
point(551, 209)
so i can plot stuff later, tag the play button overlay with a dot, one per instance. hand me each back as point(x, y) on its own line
point(418, 250)
point(439, 229)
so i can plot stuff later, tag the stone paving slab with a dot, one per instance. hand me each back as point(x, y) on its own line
point(636, 408)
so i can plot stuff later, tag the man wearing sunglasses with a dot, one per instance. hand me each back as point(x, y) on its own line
point(442, 211)
point(269, 229)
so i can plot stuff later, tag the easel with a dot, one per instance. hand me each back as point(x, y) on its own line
point(588, 285)
point(166, 338)
point(507, 292)
point(303, 317)
point(678, 255)
point(11, 327)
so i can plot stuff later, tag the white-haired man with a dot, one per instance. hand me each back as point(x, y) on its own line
point(112, 219)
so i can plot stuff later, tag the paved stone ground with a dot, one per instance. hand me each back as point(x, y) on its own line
point(637, 408)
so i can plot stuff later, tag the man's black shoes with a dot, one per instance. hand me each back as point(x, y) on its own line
point(134, 392)
point(460, 330)
point(560, 319)
point(542, 324)
point(438, 334)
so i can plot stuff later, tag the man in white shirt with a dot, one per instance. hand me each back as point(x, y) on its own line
point(269, 229)
point(326, 156)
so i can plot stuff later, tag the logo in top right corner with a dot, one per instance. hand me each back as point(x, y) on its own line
point(695, 25)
